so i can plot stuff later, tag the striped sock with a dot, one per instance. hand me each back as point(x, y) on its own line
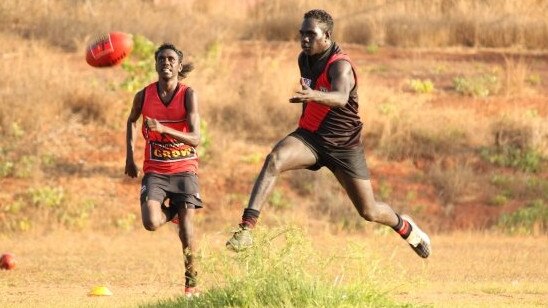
point(190, 279)
point(250, 217)
point(403, 227)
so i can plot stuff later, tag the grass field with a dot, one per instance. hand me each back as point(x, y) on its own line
point(140, 268)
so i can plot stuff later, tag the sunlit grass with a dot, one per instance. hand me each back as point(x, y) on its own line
point(284, 269)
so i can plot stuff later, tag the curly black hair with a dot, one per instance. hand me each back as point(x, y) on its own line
point(323, 17)
point(187, 68)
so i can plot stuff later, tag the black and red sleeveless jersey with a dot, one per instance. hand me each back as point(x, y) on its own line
point(335, 127)
point(163, 153)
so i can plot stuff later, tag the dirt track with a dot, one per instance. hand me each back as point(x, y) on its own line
point(465, 270)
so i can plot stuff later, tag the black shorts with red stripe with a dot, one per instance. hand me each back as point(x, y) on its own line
point(182, 189)
point(351, 161)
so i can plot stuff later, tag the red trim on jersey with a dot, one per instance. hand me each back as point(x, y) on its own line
point(163, 153)
point(314, 113)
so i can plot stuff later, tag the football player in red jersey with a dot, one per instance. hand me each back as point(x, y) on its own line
point(328, 135)
point(171, 129)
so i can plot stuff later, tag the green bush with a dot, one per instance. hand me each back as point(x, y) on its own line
point(477, 86)
point(278, 201)
point(526, 160)
point(534, 79)
point(76, 216)
point(26, 166)
point(46, 197)
point(11, 218)
point(527, 220)
point(499, 200)
point(6, 168)
point(372, 48)
point(421, 86)
point(126, 222)
point(521, 186)
point(140, 66)
point(205, 142)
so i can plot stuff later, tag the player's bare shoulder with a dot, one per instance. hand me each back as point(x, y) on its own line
point(340, 67)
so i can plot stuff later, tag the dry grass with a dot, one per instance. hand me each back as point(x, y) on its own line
point(48, 32)
point(254, 105)
point(69, 25)
point(61, 112)
point(406, 129)
point(49, 274)
point(400, 23)
point(452, 183)
point(438, 23)
point(516, 72)
point(327, 199)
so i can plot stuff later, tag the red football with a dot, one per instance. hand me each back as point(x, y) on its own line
point(7, 261)
point(109, 49)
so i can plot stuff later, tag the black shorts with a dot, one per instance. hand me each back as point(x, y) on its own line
point(350, 161)
point(180, 189)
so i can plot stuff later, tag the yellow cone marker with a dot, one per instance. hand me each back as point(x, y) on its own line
point(100, 291)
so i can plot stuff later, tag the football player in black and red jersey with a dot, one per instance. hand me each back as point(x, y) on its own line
point(329, 134)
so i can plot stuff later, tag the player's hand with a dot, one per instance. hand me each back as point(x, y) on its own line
point(154, 125)
point(304, 95)
point(131, 169)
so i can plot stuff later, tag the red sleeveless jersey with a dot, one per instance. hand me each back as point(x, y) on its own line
point(336, 127)
point(163, 153)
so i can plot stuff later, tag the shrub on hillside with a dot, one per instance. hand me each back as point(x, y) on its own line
point(53, 205)
point(514, 146)
point(421, 86)
point(477, 86)
point(417, 143)
point(524, 186)
point(529, 220)
point(452, 183)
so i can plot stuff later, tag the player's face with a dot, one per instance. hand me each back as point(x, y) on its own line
point(314, 39)
point(168, 64)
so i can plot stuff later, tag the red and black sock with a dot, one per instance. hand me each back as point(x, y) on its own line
point(250, 217)
point(403, 227)
point(191, 279)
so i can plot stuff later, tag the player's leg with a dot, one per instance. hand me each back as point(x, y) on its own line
point(184, 194)
point(153, 213)
point(186, 235)
point(289, 154)
point(361, 194)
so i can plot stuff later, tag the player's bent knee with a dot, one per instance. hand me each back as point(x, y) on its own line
point(369, 215)
point(151, 225)
point(273, 163)
point(365, 216)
